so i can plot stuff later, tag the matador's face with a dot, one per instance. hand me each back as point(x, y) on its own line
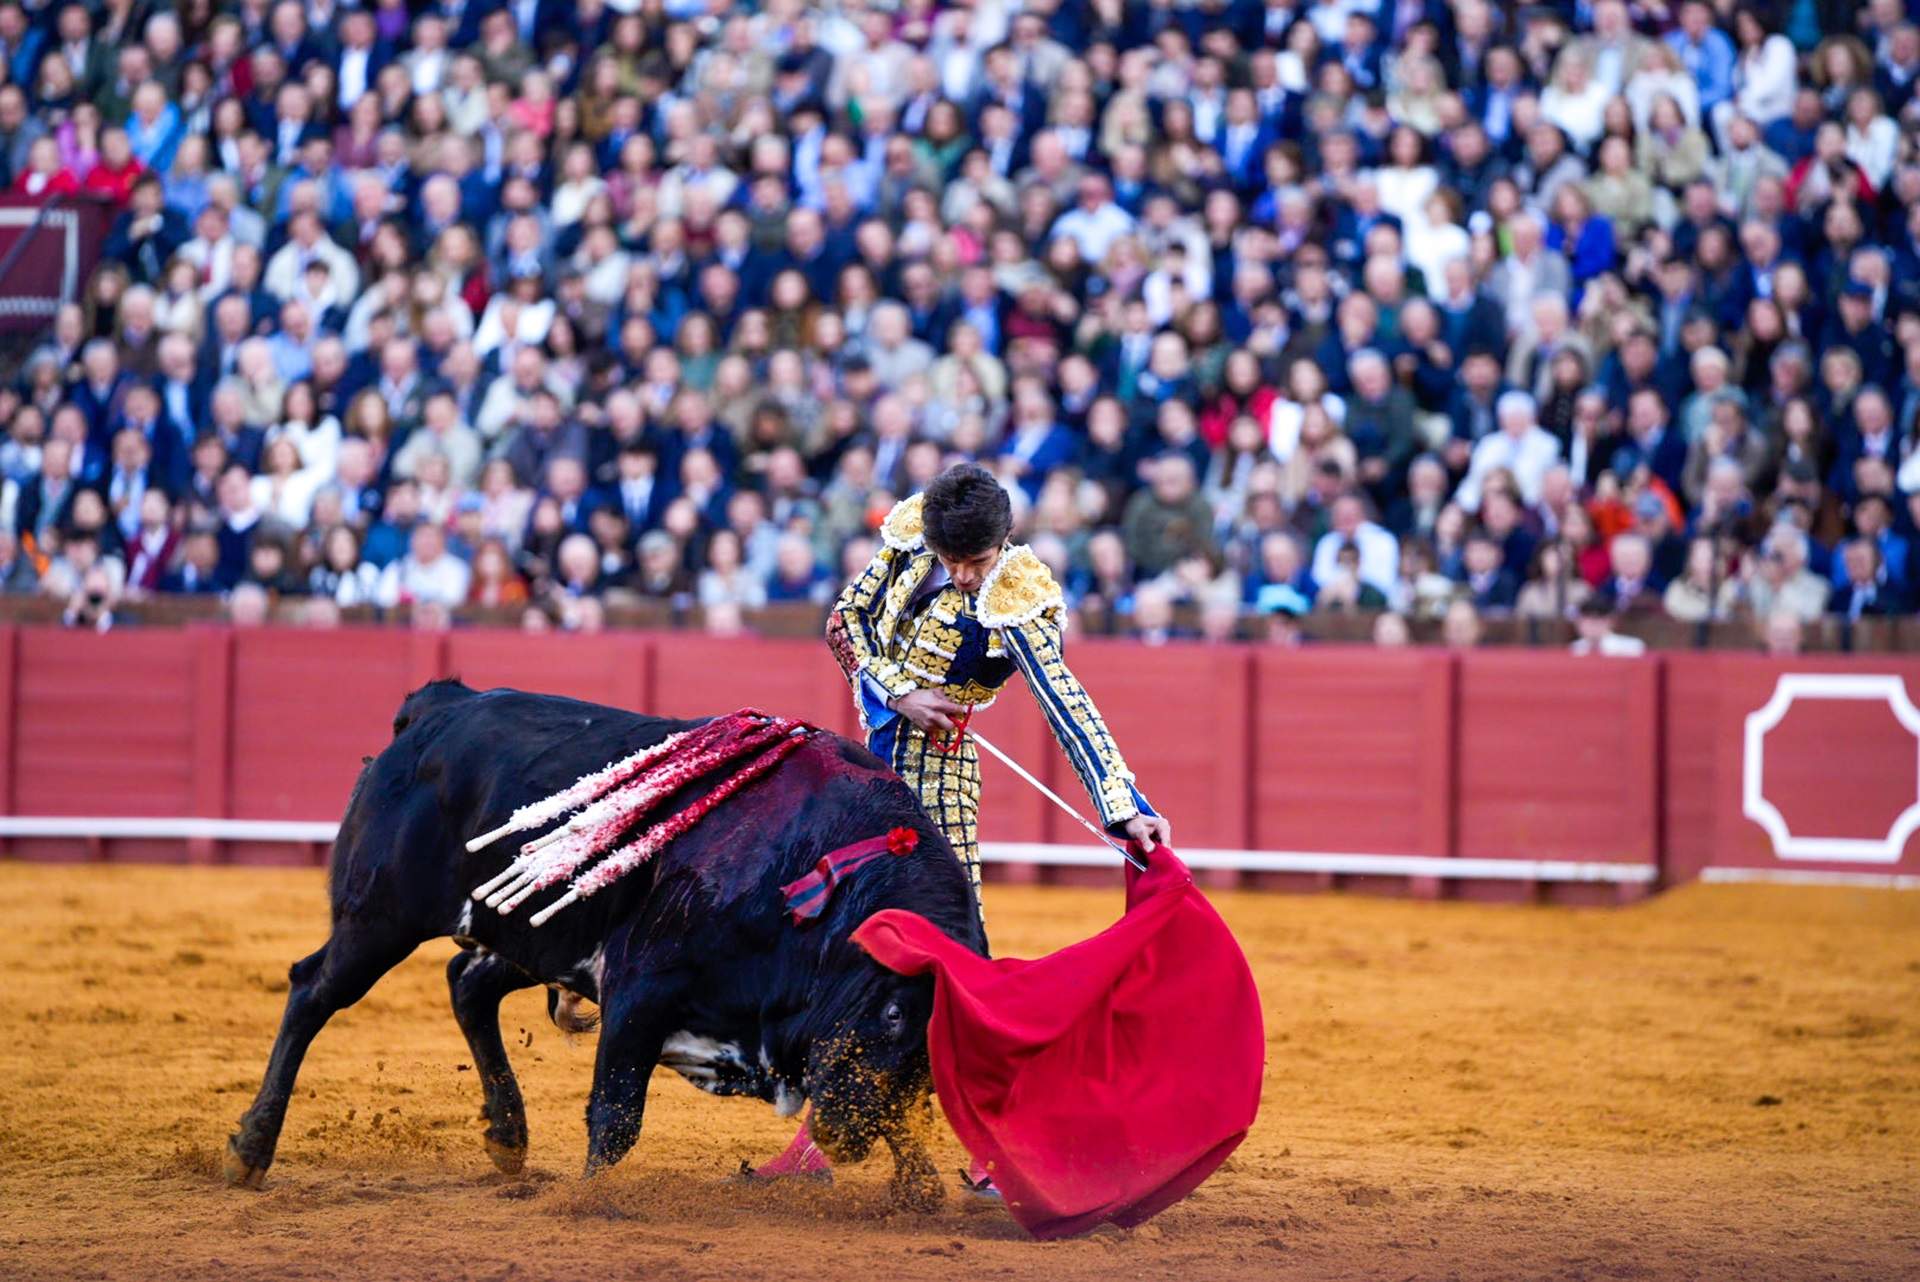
point(968, 573)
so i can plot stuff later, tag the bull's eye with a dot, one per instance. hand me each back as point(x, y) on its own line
point(895, 1019)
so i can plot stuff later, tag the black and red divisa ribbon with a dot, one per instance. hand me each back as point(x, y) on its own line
point(807, 897)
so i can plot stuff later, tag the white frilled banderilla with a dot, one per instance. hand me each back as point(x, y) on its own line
point(610, 802)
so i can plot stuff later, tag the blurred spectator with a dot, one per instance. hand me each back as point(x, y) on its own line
point(1390, 631)
point(248, 606)
point(427, 574)
point(724, 619)
point(1283, 626)
point(1778, 578)
point(1489, 585)
point(341, 576)
point(1342, 589)
point(1554, 588)
point(92, 603)
point(1220, 617)
point(1783, 634)
point(1595, 622)
point(1256, 287)
point(1704, 590)
point(796, 576)
point(1460, 627)
point(319, 613)
point(1866, 589)
point(1348, 525)
point(1629, 587)
point(496, 584)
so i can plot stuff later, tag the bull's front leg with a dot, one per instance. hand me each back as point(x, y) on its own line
point(632, 1033)
point(477, 982)
point(916, 1184)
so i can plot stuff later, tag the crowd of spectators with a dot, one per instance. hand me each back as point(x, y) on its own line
point(1442, 308)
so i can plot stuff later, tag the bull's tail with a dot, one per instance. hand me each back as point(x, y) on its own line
point(570, 1012)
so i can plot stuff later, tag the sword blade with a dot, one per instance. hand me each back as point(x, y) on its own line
point(1137, 861)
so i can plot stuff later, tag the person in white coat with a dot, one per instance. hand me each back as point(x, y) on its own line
point(1521, 448)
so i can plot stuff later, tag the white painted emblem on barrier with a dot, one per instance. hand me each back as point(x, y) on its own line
point(1754, 804)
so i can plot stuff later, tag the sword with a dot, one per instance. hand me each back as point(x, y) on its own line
point(1138, 861)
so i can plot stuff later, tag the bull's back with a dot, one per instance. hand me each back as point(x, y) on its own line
point(467, 763)
point(457, 768)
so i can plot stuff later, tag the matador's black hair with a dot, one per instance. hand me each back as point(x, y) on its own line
point(965, 512)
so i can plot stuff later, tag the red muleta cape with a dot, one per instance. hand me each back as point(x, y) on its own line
point(1107, 1080)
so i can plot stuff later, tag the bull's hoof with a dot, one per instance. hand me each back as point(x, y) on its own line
point(919, 1190)
point(239, 1172)
point(510, 1159)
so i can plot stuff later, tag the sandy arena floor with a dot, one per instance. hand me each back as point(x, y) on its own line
point(1724, 1083)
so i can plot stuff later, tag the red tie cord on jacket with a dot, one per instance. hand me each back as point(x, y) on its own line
point(959, 736)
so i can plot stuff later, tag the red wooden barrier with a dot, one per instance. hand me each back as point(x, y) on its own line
point(1182, 714)
point(1706, 764)
point(9, 650)
point(613, 668)
point(1352, 751)
point(212, 711)
point(1690, 715)
point(307, 707)
point(1809, 768)
point(1557, 758)
point(103, 725)
point(697, 676)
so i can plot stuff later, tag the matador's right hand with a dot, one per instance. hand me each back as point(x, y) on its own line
point(928, 709)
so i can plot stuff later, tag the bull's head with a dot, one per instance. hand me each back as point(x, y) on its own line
point(867, 1071)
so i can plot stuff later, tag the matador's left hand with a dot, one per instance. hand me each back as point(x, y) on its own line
point(1149, 831)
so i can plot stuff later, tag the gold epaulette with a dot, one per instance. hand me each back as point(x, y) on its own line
point(904, 530)
point(1019, 589)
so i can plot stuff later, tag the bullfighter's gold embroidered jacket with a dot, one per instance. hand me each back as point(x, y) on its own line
point(888, 644)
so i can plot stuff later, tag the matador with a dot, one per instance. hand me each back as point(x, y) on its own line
point(930, 632)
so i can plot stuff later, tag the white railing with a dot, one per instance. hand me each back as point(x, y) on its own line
point(1005, 852)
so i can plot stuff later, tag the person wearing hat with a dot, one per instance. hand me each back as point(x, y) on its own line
point(1283, 621)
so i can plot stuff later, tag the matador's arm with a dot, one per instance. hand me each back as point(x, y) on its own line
point(1022, 599)
point(853, 634)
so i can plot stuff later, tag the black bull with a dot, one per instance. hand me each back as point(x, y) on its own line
point(692, 958)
